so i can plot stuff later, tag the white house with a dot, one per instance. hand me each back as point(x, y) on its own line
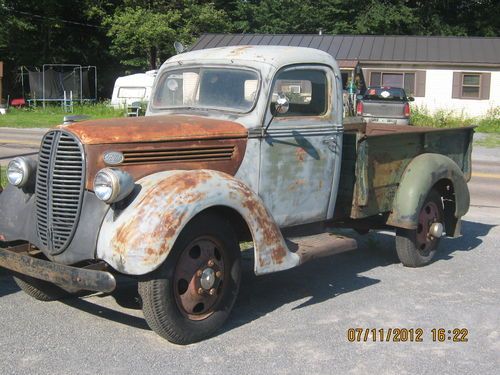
point(461, 74)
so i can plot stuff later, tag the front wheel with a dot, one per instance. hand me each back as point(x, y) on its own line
point(191, 295)
point(417, 247)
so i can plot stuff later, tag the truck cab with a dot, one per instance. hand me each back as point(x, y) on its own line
point(294, 151)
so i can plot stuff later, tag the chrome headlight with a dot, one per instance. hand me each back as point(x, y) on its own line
point(112, 185)
point(19, 171)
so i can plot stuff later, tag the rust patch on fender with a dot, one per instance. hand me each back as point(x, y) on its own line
point(271, 234)
point(278, 255)
point(152, 206)
point(139, 239)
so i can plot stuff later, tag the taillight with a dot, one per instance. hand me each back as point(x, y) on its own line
point(359, 108)
point(407, 110)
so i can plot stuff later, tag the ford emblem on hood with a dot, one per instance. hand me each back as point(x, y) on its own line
point(113, 157)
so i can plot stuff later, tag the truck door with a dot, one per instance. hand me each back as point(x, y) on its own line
point(300, 152)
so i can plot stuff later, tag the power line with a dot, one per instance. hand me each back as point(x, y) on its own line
point(52, 18)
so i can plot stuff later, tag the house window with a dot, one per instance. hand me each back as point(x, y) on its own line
point(405, 80)
point(471, 85)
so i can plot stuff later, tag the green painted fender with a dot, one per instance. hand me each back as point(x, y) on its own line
point(423, 172)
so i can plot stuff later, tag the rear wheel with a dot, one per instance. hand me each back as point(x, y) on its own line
point(417, 247)
point(191, 295)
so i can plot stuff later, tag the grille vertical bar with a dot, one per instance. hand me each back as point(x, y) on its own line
point(59, 189)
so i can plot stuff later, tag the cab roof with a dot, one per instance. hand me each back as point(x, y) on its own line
point(277, 56)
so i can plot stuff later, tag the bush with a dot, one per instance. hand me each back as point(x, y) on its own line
point(491, 122)
point(443, 118)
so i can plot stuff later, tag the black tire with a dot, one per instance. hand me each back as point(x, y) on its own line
point(412, 249)
point(40, 289)
point(165, 291)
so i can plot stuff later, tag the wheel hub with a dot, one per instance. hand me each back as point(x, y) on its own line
point(199, 278)
point(436, 230)
point(207, 279)
point(429, 229)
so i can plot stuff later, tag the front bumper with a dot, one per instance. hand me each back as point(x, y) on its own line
point(70, 278)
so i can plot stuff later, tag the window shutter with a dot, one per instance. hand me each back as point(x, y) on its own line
point(485, 86)
point(368, 77)
point(457, 85)
point(420, 77)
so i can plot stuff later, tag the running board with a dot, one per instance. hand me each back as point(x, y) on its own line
point(320, 245)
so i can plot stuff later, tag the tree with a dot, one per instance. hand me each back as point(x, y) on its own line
point(201, 18)
point(386, 17)
point(127, 35)
point(138, 35)
point(37, 32)
point(143, 36)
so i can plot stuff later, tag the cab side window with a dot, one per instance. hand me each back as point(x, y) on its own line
point(306, 90)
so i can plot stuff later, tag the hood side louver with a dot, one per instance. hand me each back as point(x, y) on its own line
point(186, 154)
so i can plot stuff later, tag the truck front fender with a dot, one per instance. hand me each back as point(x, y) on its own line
point(138, 239)
point(419, 177)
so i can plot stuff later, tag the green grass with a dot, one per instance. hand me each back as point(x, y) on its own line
point(490, 123)
point(489, 140)
point(53, 115)
point(3, 176)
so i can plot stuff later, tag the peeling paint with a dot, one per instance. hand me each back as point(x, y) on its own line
point(139, 239)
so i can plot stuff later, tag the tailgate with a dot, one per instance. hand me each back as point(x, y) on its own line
point(377, 108)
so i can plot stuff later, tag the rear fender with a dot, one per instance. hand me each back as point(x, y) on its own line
point(138, 239)
point(419, 177)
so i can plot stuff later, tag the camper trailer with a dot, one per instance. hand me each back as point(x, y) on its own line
point(132, 89)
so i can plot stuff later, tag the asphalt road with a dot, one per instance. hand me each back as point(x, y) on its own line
point(294, 321)
point(15, 142)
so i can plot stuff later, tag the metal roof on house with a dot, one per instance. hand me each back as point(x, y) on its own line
point(382, 48)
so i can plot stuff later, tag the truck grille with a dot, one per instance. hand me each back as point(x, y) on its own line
point(59, 189)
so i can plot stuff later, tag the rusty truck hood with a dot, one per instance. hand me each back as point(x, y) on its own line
point(158, 143)
point(154, 129)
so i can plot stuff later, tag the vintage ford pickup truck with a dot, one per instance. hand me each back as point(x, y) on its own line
point(239, 144)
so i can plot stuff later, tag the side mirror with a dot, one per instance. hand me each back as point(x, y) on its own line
point(179, 48)
point(411, 99)
point(359, 97)
point(282, 104)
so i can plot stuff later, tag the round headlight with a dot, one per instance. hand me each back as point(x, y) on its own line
point(112, 185)
point(104, 185)
point(18, 171)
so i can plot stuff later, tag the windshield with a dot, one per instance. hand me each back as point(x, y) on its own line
point(207, 88)
point(385, 93)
